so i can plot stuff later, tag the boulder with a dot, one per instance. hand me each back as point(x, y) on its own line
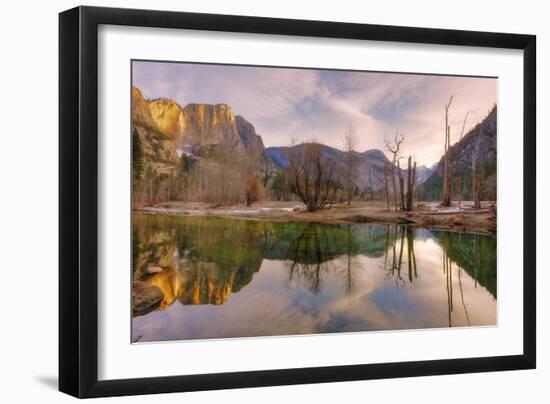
point(153, 270)
point(145, 298)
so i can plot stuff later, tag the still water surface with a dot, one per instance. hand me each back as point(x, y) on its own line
point(238, 278)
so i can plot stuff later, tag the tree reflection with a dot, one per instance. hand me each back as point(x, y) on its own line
point(320, 249)
point(411, 256)
point(448, 271)
point(205, 261)
point(196, 261)
point(310, 254)
point(475, 254)
point(395, 244)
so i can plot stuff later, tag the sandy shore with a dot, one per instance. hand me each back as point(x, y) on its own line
point(425, 214)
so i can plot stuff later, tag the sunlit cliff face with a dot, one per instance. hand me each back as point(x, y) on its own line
point(159, 152)
point(141, 114)
point(166, 114)
point(196, 125)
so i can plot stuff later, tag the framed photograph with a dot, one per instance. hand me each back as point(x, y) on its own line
point(251, 201)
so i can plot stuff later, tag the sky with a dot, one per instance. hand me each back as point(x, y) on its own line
point(303, 104)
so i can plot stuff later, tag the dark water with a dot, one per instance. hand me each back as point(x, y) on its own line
point(236, 278)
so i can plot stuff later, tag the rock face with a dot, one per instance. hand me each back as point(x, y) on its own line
point(166, 114)
point(141, 114)
point(423, 173)
point(252, 142)
point(370, 169)
point(145, 298)
point(484, 137)
point(206, 124)
point(198, 125)
point(159, 152)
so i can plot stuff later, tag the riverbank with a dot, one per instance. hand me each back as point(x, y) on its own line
point(427, 214)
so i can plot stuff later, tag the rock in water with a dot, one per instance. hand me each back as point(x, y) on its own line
point(145, 298)
point(153, 270)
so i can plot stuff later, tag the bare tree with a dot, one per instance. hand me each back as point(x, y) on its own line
point(252, 191)
point(349, 143)
point(401, 189)
point(411, 178)
point(312, 178)
point(386, 169)
point(446, 201)
point(393, 148)
point(460, 177)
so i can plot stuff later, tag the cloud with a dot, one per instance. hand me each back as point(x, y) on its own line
point(302, 103)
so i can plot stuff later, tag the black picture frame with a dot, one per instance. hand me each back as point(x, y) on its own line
point(78, 200)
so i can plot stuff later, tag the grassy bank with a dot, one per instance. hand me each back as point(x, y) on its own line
point(425, 214)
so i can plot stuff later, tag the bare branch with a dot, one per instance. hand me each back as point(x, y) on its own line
point(447, 106)
point(463, 126)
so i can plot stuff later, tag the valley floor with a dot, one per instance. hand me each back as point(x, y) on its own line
point(426, 214)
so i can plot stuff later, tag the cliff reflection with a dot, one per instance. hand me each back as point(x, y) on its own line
point(196, 261)
point(206, 261)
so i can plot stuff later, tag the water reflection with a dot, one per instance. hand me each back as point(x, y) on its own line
point(246, 278)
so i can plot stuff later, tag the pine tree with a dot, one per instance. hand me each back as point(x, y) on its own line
point(138, 163)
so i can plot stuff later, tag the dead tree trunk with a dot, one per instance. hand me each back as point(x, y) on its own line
point(446, 201)
point(387, 193)
point(393, 148)
point(408, 201)
point(475, 186)
point(460, 191)
point(411, 175)
point(401, 189)
point(350, 141)
point(394, 187)
point(460, 178)
point(475, 177)
point(413, 183)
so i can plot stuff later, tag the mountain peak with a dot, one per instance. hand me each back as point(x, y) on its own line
point(166, 114)
point(370, 165)
point(480, 141)
point(251, 140)
point(375, 154)
point(196, 124)
point(141, 112)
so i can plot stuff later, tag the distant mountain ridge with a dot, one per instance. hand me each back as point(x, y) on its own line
point(423, 173)
point(369, 165)
point(167, 130)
